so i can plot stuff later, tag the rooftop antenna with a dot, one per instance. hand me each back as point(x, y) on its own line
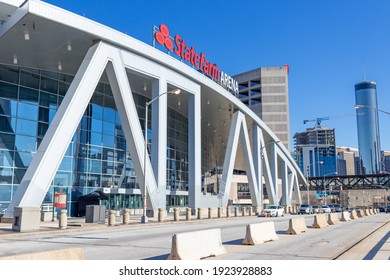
point(364, 71)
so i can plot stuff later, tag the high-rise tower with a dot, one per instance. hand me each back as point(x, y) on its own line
point(368, 126)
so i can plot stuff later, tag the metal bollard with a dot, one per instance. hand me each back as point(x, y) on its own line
point(111, 217)
point(126, 216)
point(63, 221)
point(176, 214)
point(188, 214)
point(227, 212)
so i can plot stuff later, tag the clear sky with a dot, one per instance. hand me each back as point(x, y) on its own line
point(329, 45)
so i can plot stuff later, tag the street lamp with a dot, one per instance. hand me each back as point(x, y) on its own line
point(325, 185)
point(144, 218)
point(308, 172)
point(364, 106)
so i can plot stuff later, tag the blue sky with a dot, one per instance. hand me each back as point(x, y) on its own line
point(330, 45)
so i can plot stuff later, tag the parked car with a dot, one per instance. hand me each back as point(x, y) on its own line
point(326, 209)
point(317, 209)
point(388, 209)
point(273, 211)
point(382, 210)
point(338, 208)
point(332, 208)
point(305, 209)
point(350, 209)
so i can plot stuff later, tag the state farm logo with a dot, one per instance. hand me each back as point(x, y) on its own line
point(163, 38)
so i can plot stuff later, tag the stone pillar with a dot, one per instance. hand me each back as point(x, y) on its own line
point(188, 214)
point(243, 211)
point(200, 213)
point(250, 211)
point(63, 221)
point(210, 213)
point(126, 216)
point(161, 215)
point(227, 212)
point(176, 214)
point(26, 219)
point(111, 217)
point(219, 212)
point(235, 211)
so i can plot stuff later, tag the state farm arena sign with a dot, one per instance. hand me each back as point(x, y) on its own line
point(197, 60)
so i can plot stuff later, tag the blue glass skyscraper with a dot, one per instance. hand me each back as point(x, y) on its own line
point(368, 126)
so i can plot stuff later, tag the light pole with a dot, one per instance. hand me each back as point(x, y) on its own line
point(308, 172)
point(325, 185)
point(372, 107)
point(144, 218)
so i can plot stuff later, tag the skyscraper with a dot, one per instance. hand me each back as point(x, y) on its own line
point(368, 126)
point(315, 151)
point(265, 91)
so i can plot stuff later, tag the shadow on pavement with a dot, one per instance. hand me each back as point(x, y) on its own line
point(160, 257)
point(233, 242)
point(371, 254)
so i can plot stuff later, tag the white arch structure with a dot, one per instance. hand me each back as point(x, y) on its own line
point(265, 159)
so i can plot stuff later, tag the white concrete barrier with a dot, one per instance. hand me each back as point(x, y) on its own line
point(371, 211)
point(320, 221)
point(333, 219)
point(196, 245)
point(367, 212)
point(360, 213)
point(354, 215)
point(260, 233)
point(345, 216)
point(63, 254)
point(297, 226)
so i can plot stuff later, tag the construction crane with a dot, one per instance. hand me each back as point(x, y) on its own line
point(319, 120)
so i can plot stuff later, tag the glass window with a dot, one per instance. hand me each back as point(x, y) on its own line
point(66, 164)
point(19, 173)
point(96, 139)
point(93, 180)
point(7, 124)
point(27, 111)
point(42, 129)
point(48, 100)
point(62, 179)
point(96, 112)
point(108, 141)
point(96, 125)
point(95, 152)
point(7, 141)
point(52, 113)
point(63, 88)
point(49, 85)
point(5, 193)
point(8, 91)
point(6, 158)
point(26, 127)
point(94, 166)
point(23, 159)
point(25, 143)
point(9, 74)
point(8, 107)
point(43, 114)
point(28, 95)
point(29, 79)
point(108, 128)
point(6, 175)
point(109, 115)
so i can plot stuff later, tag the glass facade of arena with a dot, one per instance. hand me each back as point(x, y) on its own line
point(96, 157)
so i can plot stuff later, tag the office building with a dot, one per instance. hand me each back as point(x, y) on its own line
point(73, 98)
point(368, 126)
point(315, 151)
point(265, 91)
point(347, 158)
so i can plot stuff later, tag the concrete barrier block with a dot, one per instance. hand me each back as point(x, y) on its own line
point(63, 254)
point(197, 245)
point(320, 221)
point(371, 211)
point(26, 219)
point(354, 215)
point(202, 213)
point(360, 213)
point(260, 233)
point(345, 216)
point(367, 212)
point(333, 219)
point(212, 212)
point(297, 226)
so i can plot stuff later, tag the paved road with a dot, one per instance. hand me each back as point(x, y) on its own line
point(153, 241)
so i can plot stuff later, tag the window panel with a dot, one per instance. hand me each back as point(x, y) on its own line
point(26, 127)
point(5, 193)
point(48, 100)
point(28, 95)
point(6, 158)
point(49, 85)
point(25, 143)
point(9, 74)
point(27, 111)
point(7, 124)
point(8, 91)
point(6, 175)
point(29, 79)
point(7, 141)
